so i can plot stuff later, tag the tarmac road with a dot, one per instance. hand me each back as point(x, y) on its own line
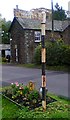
point(57, 82)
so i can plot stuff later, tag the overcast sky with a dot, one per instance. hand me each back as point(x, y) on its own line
point(7, 6)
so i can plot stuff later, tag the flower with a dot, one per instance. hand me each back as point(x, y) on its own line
point(12, 83)
point(21, 93)
point(16, 83)
point(21, 88)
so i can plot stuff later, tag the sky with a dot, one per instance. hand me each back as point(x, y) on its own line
point(7, 6)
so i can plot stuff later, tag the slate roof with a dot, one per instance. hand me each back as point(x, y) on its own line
point(36, 24)
point(29, 23)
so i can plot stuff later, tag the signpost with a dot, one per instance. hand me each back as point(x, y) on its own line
point(43, 59)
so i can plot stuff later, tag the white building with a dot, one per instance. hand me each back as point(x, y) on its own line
point(4, 50)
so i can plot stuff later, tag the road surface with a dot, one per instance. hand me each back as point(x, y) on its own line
point(57, 82)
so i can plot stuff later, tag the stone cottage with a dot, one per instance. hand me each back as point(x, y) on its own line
point(25, 35)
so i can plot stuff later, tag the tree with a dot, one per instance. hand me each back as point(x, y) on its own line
point(59, 13)
point(1, 22)
point(5, 34)
point(4, 27)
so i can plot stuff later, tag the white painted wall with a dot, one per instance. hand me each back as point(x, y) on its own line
point(7, 52)
point(0, 53)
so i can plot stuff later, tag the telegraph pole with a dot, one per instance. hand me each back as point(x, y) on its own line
point(52, 20)
point(43, 59)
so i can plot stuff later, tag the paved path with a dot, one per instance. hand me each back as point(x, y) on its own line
point(57, 82)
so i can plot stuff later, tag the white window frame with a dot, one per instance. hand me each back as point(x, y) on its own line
point(37, 36)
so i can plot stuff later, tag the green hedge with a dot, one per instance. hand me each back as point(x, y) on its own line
point(57, 53)
point(37, 55)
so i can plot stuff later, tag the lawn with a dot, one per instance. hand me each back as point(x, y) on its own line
point(59, 109)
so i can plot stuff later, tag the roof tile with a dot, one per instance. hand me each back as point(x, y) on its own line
point(36, 24)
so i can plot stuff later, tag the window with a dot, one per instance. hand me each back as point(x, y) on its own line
point(37, 36)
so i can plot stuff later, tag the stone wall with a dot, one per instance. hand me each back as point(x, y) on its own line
point(24, 39)
point(29, 45)
point(17, 35)
point(56, 35)
point(66, 35)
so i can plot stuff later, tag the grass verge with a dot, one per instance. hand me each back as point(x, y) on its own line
point(55, 68)
point(56, 110)
point(48, 67)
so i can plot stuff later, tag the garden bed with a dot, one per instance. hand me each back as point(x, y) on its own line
point(22, 96)
point(19, 101)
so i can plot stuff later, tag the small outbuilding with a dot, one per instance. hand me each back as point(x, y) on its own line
point(4, 50)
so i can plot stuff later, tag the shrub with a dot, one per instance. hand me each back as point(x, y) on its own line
point(54, 53)
point(37, 55)
point(33, 95)
point(66, 54)
point(3, 59)
point(25, 91)
point(57, 53)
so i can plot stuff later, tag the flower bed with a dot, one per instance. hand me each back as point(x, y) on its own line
point(25, 96)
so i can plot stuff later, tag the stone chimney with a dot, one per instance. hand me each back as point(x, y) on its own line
point(16, 6)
